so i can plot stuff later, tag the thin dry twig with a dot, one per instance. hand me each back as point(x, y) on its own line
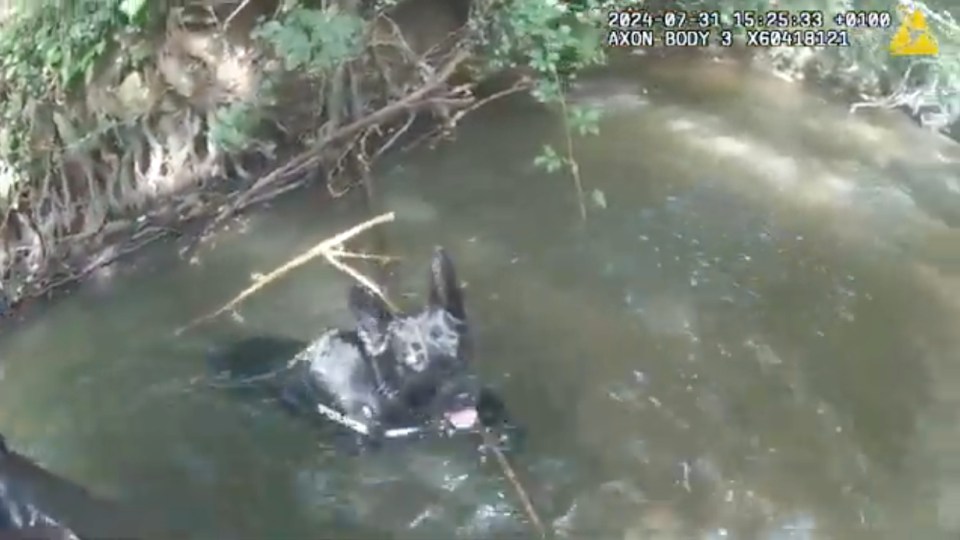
point(515, 481)
point(362, 279)
point(341, 254)
point(235, 12)
point(312, 156)
point(155, 234)
point(323, 248)
point(523, 84)
point(411, 117)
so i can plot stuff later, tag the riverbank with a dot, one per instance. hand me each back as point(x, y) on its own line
point(174, 120)
point(194, 112)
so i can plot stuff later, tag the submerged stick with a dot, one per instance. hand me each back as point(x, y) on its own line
point(508, 471)
point(328, 247)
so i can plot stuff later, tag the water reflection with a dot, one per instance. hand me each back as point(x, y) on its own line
point(749, 341)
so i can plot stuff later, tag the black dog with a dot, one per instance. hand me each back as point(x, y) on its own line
point(393, 377)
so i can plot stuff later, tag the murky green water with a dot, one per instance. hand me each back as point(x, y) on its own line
point(757, 337)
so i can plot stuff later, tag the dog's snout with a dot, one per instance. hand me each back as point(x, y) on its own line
point(462, 413)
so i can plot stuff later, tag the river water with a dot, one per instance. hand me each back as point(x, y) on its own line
point(753, 336)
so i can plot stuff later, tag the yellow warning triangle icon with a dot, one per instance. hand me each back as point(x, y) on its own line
point(913, 37)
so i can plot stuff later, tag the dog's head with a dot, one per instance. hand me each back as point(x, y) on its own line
point(423, 355)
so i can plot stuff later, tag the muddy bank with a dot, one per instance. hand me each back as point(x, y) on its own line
point(212, 118)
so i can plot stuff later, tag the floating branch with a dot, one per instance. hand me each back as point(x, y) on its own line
point(331, 249)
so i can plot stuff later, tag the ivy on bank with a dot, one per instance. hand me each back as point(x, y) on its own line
point(50, 49)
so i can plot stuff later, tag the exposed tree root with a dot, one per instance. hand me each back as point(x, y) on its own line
point(104, 175)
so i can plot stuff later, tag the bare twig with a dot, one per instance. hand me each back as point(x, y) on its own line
point(273, 193)
point(901, 96)
point(521, 85)
point(323, 248)
point(362, 279)
point(396, 135)
point(311, 157)
point(508, 471)
point(233, 15)
point(341, 254)
point(105, 260)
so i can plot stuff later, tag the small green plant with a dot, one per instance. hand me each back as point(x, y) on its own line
point(135, 11)
point(232, 126)
point(49, 49)
point(549, 160)
point(316, 40)
point(556, 40)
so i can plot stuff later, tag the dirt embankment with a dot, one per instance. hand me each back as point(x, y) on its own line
point(197, 126)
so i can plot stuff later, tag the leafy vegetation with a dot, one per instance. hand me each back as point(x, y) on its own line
point(556, 40)
point(50, 49)
point(61, 156)
point(866, 70)
point(67, 162)
point(315, 40)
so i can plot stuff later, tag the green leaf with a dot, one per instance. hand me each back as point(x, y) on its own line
point(548, 160)
point(599, 199)
point(132, 9)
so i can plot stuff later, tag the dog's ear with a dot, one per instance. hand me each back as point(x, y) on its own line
point(372, 315)
point(445, 290)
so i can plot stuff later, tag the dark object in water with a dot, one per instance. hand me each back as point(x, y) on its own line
point(37, 504)
point(393, 377)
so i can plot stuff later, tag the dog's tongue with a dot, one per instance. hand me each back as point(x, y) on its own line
point(463, 418)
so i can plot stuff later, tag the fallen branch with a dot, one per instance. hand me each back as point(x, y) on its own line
point(136, 243)
point(226, 23)
point(311, 157)
point(333, 258)
point(368, 256)
point(525, 83)
point(508, 471)
point(329, 248)
point(411, 117)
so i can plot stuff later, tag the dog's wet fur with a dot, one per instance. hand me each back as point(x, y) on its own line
point(394, 376)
